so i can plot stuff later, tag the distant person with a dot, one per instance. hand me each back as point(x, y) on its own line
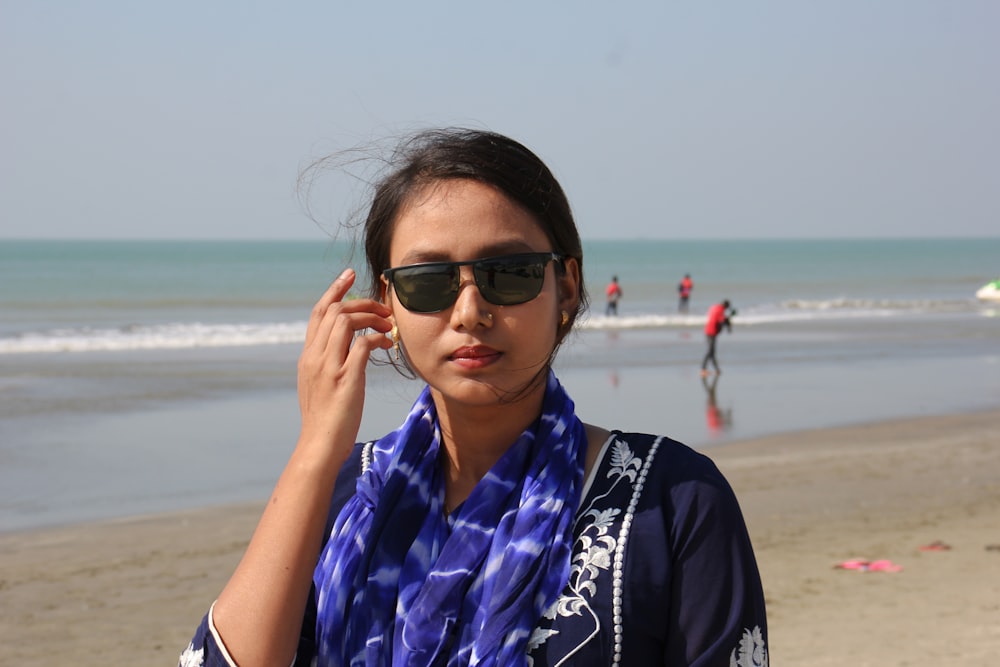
point(684, 289)
point(718, 319)
point(614, 293)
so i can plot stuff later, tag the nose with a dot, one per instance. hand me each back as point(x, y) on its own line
point(470, 309)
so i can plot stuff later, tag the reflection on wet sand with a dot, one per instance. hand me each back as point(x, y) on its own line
point(717, 419)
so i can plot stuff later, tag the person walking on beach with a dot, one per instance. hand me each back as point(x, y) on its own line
point(493, 526)
point(684, 290)
point(613, 293)
point(717, 320)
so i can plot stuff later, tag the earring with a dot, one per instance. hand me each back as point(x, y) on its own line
point(394, 334)
point(565, 319)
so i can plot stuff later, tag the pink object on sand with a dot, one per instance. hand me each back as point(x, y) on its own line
point(863, 565)
point(852, 564)
point(884, 566)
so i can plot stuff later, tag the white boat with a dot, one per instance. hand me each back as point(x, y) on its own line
point(990, 291)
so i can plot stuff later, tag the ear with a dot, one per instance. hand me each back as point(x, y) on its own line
point(569, 285)
point(383, 292)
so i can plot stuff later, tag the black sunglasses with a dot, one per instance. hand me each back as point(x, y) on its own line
point(503, 281)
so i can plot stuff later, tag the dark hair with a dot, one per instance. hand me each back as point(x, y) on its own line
point(486, 157)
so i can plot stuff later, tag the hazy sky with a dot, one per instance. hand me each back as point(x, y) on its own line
point(184, 119)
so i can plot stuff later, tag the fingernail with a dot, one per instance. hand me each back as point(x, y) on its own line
point(346, 273)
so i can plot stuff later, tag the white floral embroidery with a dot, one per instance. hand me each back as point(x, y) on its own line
point(623, 461)
point(192, 658)
point(593, 555)
point(538, 637)
point(593, 552)
point(751, 652)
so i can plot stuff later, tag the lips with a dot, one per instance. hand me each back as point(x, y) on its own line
point(475, 356)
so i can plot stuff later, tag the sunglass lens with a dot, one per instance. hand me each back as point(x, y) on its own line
point(426, 289)
point(507, 282)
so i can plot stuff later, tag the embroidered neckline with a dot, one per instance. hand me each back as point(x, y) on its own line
point(596, 549)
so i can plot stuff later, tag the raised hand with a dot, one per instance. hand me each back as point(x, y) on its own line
point(331, 372)
point(259, 613)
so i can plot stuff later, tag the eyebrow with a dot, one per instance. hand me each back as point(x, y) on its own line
point(418, 256)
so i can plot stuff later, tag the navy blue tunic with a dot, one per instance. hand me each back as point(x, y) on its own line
point(663, 572)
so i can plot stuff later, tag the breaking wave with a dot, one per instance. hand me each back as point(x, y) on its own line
point(199, 335)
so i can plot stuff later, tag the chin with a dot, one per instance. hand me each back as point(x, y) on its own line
point(483, 392)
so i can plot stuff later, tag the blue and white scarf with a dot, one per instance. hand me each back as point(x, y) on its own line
point(396, 585)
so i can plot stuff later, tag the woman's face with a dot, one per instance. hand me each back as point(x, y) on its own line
point(475, 352)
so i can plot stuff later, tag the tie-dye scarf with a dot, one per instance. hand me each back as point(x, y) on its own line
point(397, 585)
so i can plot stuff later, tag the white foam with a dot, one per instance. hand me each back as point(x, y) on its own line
point(155, 337)
point(183, 335)
point(793, 310)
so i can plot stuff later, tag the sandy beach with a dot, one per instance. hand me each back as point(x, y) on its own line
point(131, 591)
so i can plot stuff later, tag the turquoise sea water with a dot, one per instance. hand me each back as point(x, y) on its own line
point(90, 296)
point(143, 376)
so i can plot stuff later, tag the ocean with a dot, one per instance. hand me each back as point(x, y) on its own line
point(144, 376)
point(75, 296)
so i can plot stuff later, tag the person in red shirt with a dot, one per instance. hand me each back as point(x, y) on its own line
point(684, 289)
point(614, 293)
point(718, 319)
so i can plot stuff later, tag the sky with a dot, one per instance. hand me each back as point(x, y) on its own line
point(662, 120)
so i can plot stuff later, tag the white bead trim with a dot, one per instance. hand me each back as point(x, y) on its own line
point(366, 456)
point(619, 560)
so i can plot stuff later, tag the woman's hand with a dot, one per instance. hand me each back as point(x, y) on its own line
point(331, 372)
point(259, 613)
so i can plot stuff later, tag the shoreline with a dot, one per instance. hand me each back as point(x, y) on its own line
point(132, 590)
point(88, 437)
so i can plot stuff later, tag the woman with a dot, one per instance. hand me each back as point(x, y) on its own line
point(493, 527)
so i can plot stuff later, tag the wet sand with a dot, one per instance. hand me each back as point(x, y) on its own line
point(131, 591)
